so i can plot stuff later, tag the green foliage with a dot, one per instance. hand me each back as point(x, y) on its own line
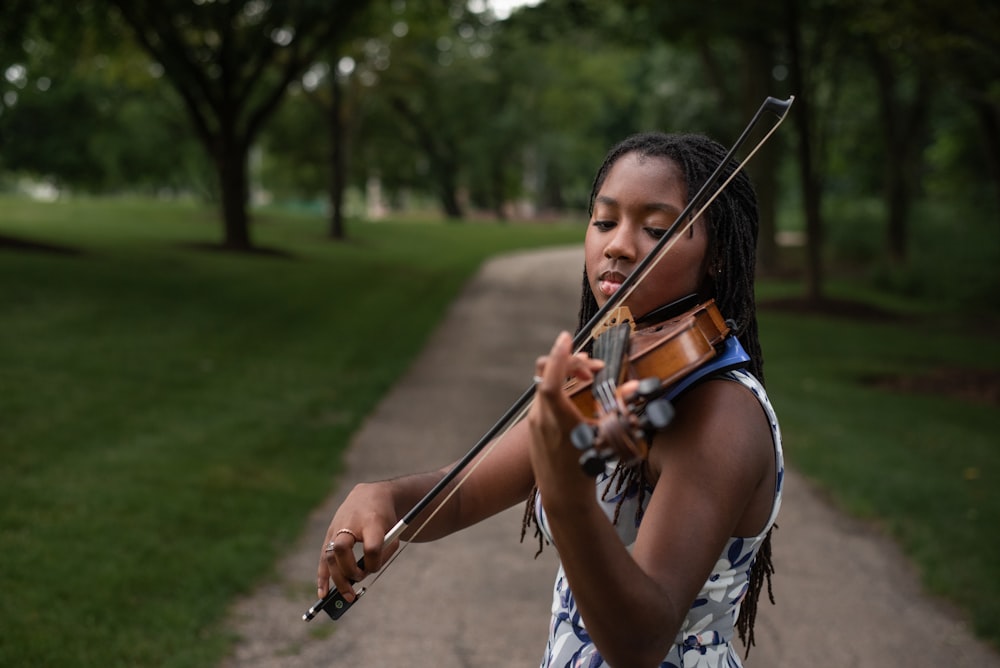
point(952, 254)
point(84, 109)
point(69, 155)
point(295, 150)
point(172, 413)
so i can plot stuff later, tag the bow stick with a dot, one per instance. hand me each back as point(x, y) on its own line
point(334, 604)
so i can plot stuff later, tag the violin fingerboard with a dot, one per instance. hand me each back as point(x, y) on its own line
point(611, 347)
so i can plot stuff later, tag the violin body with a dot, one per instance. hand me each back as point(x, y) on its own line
point(659, 356)
point(668, 351)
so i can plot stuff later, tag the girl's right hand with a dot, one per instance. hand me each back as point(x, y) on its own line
point(364, 517)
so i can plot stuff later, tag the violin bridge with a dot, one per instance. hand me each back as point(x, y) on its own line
point(615, 317)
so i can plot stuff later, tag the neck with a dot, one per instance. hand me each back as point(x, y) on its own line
point(671, 310)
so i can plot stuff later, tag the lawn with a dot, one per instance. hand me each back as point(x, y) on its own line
point(866, 411)
point(171, 413)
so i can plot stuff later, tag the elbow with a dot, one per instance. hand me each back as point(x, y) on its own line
point(636, 649)
point(641, 642)
point(635, 656)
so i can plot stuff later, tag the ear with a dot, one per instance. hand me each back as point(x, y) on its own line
point(713, 271)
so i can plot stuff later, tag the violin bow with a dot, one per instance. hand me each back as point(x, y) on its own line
point(334, 604)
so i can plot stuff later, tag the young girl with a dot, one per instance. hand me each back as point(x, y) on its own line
point(664, 561)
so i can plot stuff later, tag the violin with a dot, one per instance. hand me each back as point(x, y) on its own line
point(666, 358)
point(658, 356)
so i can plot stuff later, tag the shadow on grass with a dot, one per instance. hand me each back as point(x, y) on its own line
point(974, 385)
point(837, 308)
point(256, 251)
point(18, 244)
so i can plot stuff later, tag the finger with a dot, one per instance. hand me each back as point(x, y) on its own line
point(342, 582)
point(343, 585)
point(337, 557)
point(378, 555)
point(583, 366)
point(554, 373)
point(322, 578)
point(629, 388)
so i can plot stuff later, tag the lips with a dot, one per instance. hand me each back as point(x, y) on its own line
point(608, 282)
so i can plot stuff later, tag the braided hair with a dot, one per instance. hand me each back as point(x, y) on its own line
point(732, 223)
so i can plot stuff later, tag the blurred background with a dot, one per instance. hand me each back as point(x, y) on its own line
point(365, 108)
point(193, 192)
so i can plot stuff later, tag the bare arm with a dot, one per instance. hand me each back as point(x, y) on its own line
point(710, 464)
point(496, 480)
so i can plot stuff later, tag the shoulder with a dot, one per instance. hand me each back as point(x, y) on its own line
point(719, 427)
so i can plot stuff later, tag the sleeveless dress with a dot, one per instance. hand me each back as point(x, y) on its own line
point(705, 639)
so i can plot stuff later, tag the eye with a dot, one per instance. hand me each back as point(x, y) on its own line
point(604, 225)
point(656, 233)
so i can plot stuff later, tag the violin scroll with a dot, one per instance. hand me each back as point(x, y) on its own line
point(626, 430)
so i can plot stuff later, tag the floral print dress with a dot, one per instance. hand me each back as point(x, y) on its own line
point(705, 639)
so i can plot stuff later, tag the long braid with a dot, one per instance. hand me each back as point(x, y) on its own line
point(732, 224)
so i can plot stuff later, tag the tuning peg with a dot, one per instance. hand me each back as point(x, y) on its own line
point(649, 388)
point(583, 436)
point(592, 462)
point(657, 415)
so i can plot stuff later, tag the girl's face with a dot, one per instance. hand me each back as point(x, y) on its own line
point(640, 198)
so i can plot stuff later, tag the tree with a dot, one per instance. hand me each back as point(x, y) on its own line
point(801, 63)
point(959, 42)
point(231, 64)
point(81, 109)
point(889, 48)
point(735, 53)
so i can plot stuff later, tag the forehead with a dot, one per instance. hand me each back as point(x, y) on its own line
point(637, 175)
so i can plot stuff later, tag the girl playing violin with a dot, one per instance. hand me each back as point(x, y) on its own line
point(662, 564)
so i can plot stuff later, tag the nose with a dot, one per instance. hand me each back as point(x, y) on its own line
point(621, 244)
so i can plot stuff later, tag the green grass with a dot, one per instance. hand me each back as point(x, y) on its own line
point(170, 415)
point(923, 467)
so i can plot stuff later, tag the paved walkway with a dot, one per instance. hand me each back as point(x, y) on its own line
point(845, 595)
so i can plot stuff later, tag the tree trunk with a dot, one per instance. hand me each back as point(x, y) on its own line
point(903, 123)
point(231, 165)
point(763, 169)
point(497, 190)
point(989, 122)
point(440, 154)
point(337, 158)
point(811, 194)
point(446, 172)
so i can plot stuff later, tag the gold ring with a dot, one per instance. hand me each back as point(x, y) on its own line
point(349, 533)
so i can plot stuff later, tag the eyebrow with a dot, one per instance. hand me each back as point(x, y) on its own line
point(648, 206)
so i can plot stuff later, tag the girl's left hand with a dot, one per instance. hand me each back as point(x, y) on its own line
point(553, 416)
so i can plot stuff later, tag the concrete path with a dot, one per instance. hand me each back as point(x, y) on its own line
point(845, 596)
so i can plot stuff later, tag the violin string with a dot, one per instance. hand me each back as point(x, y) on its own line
point(606, 395)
